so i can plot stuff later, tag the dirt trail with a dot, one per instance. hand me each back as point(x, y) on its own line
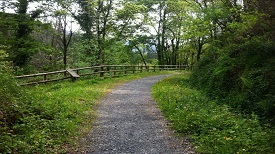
point(129, 122)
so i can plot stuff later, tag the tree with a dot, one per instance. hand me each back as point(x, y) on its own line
point(23, 43)
point(64, 35)
point(98, 15)
point(109, 21)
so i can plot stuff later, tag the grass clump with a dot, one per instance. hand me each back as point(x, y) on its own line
point(214, 128)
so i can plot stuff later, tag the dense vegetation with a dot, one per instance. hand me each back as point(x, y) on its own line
point(214, 128)
point(230, 45)
point(238, 68)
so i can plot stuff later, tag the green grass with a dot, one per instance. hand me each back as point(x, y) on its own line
point(214, 129)
point(57, 115)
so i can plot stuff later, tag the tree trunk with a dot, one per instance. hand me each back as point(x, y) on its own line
point(140, 52)
point(22, 56)
point(200, 44)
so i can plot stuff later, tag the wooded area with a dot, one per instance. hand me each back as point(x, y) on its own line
point(230, 44)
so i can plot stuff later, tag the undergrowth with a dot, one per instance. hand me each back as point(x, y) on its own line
point(214, 128)
point(51, 118)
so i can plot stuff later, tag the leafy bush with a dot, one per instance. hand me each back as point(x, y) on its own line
point(11, 104)
point(214, 128)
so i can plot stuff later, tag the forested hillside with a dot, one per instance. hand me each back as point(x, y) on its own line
point(230, 44)
point(238, 66)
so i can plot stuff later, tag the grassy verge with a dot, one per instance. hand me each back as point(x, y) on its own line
point(215, 129)
point(55, 116)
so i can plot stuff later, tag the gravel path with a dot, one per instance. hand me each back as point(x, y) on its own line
point(129, 122)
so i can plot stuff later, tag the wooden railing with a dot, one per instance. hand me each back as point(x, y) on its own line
point(101, 71)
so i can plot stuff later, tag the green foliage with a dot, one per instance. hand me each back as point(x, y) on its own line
point(241, 75)
point(83, 53)
point(130, 11)
point(214, 128)
point(237, 67)
point(10, 93)
point(11, 104)
point(117, 53)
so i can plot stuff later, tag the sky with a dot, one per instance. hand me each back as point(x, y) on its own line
point(74, 25)
point(36, 5)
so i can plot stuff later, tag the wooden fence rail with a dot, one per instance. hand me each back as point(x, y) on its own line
point(102, 71)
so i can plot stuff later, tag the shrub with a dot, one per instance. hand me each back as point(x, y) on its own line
point(11, 104)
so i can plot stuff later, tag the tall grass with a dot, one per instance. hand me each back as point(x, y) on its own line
point(214, 128)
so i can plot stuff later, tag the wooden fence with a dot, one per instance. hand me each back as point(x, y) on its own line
point(101, 71)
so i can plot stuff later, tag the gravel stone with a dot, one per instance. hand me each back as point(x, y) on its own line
point(129, 122)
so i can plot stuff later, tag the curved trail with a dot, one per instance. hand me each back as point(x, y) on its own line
point(129, 122)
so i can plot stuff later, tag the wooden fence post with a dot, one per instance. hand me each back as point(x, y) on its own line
point(114, 70)
point(45, 77)
point(101, 71)
point(125, 70)
point(134, 69)
point(108, 70)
